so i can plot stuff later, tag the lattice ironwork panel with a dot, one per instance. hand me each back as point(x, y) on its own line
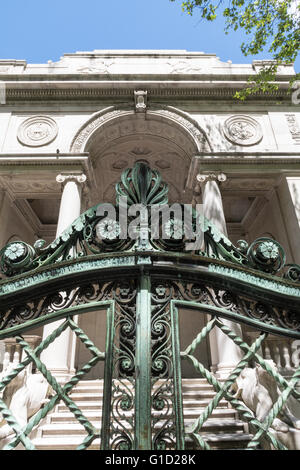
point(117, 416)
point(263, 430)
point(59, 393)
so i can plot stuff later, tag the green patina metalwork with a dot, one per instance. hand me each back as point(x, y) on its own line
point(141, 285)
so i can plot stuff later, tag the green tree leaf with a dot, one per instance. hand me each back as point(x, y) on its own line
point(272, 25)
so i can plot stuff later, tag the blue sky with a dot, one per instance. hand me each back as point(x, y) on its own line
point(38, 31)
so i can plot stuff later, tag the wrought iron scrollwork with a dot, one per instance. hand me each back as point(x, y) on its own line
point(162, 386)
point(123, 394)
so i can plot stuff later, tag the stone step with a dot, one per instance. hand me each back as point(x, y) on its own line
point(184, 381)
point(189, 399)
point(198, 394)
point(202, 401)
point(187, 388)
point(213, 424)
point(77, 397)
point(189, 412)
point(222, 430)
point(62, 443)
point(224, 441)
point(65, 429)
point(205, 392)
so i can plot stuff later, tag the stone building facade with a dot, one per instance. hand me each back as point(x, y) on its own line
point(69, 128)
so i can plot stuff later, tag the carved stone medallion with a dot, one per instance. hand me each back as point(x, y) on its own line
point(242, 130)
point(37, 131)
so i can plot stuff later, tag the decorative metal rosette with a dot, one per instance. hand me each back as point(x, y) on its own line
point(292, 272)
point(171, 236)
point(108, 229)
point(174, 229)
point(242, 246)
point(267, 255)
point(104, 234)
point(16, 257)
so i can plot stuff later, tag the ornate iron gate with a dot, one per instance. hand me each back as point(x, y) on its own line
point(140, 285)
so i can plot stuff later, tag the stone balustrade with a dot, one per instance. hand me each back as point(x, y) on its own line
point(13, 353)
point(285, 352)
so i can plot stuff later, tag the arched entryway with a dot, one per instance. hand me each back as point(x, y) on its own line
point(165, 138)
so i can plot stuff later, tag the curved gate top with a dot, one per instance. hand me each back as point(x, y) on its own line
point(138, 263)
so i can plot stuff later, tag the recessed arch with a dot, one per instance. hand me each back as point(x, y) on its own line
point(164, 114)
point(167, 138)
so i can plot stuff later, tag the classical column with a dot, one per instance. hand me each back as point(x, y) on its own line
point(59, 356)
point(224, 353)
point(212, 199)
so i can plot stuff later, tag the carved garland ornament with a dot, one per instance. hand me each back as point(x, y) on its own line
point(37, 131)
point(242, 130)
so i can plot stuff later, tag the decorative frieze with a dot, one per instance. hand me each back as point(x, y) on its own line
point(186, 66)
point(98, 67)
point(86, 92)
point(37, 131)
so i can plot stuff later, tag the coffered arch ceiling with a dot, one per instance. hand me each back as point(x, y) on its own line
point(115, 139)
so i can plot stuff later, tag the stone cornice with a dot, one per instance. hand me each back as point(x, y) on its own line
point(273, 154)
point(121, 80)
point(125, 53)
point(48, 157)
point(52, 161)
point(252, 162)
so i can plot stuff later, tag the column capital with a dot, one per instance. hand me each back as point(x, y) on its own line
point(219, 177)
point(65, 178)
